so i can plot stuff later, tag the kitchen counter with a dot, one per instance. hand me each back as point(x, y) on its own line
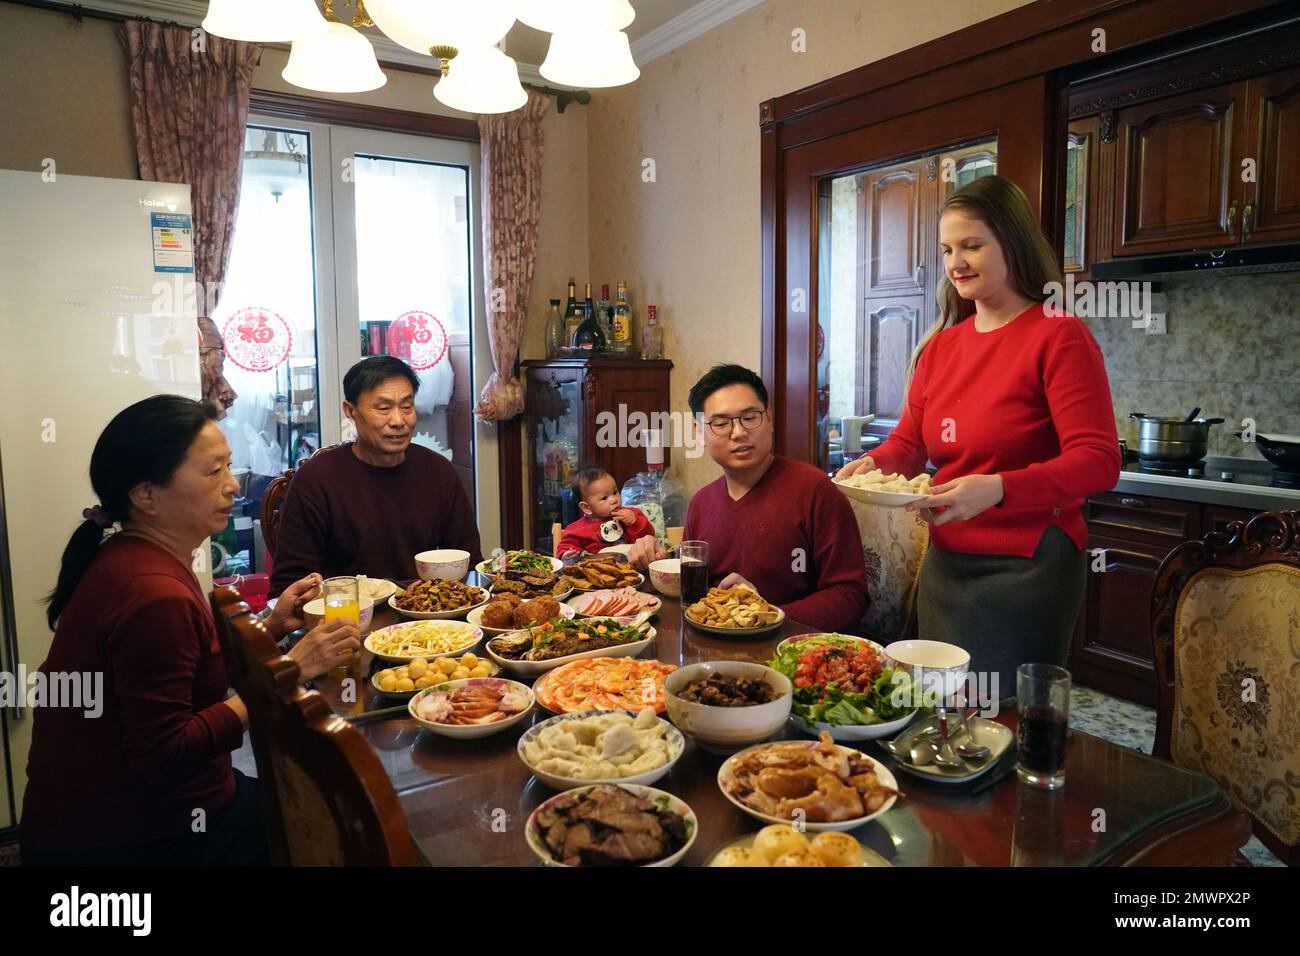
point(1249, 488)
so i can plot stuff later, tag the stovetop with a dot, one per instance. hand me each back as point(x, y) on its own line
point(1231, 471)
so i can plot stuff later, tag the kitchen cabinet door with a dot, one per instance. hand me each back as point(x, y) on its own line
point(1272, 210)
point(1178, 177)
point(1112, 643)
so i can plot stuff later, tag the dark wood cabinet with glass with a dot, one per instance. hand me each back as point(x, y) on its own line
point(580, 412)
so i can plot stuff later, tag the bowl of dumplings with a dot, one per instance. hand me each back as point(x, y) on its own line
point(601, 746)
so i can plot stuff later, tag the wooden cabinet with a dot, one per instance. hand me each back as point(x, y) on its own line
point(1129, 536)
point(581, 412)
point(1179, 162)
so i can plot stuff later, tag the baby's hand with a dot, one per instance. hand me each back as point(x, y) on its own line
point(625, 516)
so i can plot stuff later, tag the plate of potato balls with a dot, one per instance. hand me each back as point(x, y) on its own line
point(408, 679)
point(509, 612)
point(782, 845)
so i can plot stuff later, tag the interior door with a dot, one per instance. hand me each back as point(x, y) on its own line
point(408, 282)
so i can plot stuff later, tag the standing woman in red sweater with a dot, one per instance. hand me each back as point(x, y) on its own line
point(1012, 405)
point(128, 781)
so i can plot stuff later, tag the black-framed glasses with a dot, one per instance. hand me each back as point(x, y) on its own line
point(749, 419)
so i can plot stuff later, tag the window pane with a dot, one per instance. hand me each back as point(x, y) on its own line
point(267, 316)
point(413, 290)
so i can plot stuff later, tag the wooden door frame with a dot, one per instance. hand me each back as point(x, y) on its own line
point(1022, 59)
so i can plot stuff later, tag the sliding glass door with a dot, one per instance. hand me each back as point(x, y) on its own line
point(349, 243)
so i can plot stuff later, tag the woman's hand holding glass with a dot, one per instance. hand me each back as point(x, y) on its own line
point(326, 647)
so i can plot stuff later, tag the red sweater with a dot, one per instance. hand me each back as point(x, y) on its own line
point(1029, 401)
point(161, 747)
point(585, 534)
point(344, 516)
point(793, 536)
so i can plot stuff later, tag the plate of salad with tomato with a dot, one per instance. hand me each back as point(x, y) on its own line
point(843, 685)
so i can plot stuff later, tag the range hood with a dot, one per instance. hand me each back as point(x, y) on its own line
point(1235, 260)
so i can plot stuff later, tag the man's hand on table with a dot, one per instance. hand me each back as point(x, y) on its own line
point(330, 645)
point(287, 616)
point(644, 550)
point(734, 580)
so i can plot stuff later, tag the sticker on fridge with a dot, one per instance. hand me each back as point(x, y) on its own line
point(173, 242)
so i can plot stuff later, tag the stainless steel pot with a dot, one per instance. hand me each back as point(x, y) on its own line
point(1173, 439)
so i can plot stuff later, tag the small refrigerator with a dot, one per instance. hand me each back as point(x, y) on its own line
point(97, 311)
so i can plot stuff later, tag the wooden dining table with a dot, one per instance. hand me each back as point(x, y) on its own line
point(467, 801)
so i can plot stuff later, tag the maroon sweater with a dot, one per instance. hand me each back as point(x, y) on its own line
point(793, 536)
point(344, 516)
point(161, 748)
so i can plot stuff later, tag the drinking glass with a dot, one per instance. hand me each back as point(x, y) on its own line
point(1043, 698)
point(342, 603)
point(694, 557)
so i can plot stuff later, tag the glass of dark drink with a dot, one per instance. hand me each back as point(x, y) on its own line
point(1043, 695)
point(694, 557)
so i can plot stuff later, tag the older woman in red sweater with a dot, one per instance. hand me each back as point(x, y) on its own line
point(1012, 405)
point(149, 780)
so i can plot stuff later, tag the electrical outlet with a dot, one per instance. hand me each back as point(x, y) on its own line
point(1156, 323)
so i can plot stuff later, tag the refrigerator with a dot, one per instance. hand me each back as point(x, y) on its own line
point(96, 312)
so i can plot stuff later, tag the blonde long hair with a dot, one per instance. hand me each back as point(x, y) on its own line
point(1031, 263)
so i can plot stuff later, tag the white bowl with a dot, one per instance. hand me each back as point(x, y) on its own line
point(937, 668)
point(438, 615)
point(472, 636)
point(470, 731)
point(727, 729)
point(666, 576)
point(381, 589)
point(676, 747)
point(444, 564)
point(475, 617)
point(313, 613)
point(674, 804)
point(727, 780)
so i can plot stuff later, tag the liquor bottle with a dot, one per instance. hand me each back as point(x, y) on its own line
point(572, 314)
point(589, 341)
point(554, 330)
point(652, 336)
point(623, 343)
point(605, 317)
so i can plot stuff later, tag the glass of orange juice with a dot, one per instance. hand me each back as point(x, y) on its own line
point(342, 603)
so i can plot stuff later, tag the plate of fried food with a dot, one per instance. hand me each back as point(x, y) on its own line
point(878, 488)
point(436, 600)
point(825, 785)
point(604, 683)
point(779, 844)
point(509, 612)
point(536, 650)
point(734, 612)
point(598, 573)
point(531, 584)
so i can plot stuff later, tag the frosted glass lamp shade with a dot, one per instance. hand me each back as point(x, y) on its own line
point(261, 21)
point(590, 59)
point(482, 80)
point(334, 59)
point(421, 24)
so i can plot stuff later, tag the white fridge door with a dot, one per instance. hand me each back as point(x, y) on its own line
point(90, 321)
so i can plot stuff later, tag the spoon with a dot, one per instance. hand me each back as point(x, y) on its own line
point(972, 751)
point(1195, 411)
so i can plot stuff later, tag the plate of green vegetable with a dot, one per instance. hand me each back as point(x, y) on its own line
point(843, 685)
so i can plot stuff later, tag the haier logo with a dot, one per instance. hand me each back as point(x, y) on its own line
point(170, 206)
point(102, 909)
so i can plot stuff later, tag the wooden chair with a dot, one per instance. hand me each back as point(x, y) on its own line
point(328, 800)
point(673, 536)
point(1225, 621)
point(273, 501)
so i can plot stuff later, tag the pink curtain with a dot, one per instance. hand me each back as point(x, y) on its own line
point(511, 145)
point(188, 110)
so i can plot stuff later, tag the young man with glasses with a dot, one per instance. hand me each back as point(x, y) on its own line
point(773, 523)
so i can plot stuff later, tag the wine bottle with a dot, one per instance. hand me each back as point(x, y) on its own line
point(572, 314)
point(589, 341)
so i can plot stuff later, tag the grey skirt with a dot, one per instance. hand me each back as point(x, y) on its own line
point(1004, 610)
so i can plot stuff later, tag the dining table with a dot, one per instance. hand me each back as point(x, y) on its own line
point(467, 801)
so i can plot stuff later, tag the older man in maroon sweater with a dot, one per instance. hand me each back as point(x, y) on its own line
point(369, 506)
point(771, 522)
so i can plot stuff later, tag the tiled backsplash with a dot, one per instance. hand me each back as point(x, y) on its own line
point(1232, 347)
